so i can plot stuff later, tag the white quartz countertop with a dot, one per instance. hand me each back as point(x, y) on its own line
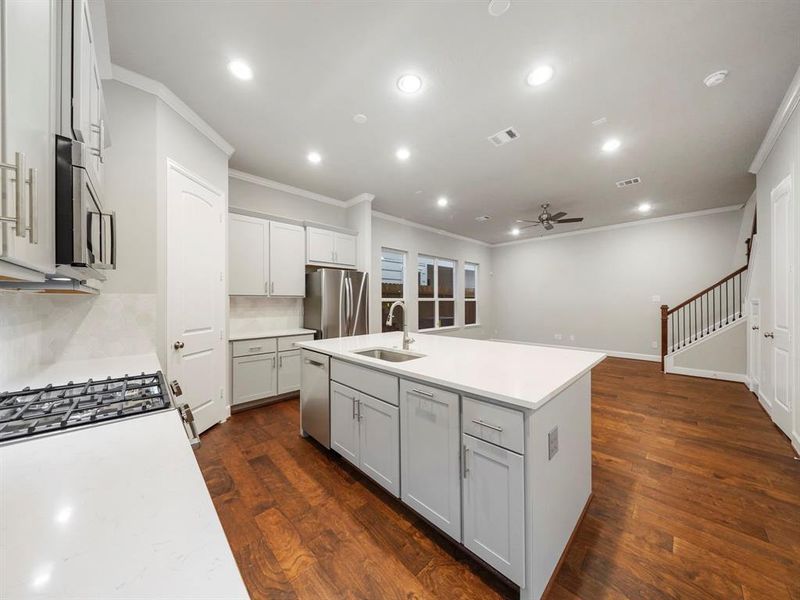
point(114, 511)
point(521, 375)
point(59, 373)
point(251, 335)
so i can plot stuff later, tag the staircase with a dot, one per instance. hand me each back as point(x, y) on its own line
point(707, 312)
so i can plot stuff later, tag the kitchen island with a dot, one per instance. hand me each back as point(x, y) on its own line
point(488, 441)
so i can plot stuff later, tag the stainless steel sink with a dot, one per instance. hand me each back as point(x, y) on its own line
point(388, 354)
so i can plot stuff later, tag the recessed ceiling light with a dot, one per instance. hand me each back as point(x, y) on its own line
point(644, 207)
point(611, 145)
point(442, 201)
point(360, 118)
point(498, 7)
point(240, 69)
point(715, 78)
point(409, 83)
point(402, 153)
point(314, 158)
point(540, 75)
point(515, 231)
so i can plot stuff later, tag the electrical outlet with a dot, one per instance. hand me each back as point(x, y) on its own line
point(654, 344)
point(552, 443)
point(656, 298)
point(571, 337)
point(558, 336)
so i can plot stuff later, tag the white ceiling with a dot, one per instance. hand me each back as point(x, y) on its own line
point(639, 64)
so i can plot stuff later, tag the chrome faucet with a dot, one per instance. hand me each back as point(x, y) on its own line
point(407, 341)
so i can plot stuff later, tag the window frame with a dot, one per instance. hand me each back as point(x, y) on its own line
point(403, 295)
point(435, 298)
point(476, 267)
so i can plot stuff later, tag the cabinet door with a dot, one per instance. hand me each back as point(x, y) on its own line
point(29, 93)
point(288, 371)
point(287, 254)
point(344, 249)
point(344, 422)
point(248, 256)
point(254, 378)
point(430, 457)
point(380, 442)
point(319, 245)
point(494, 513)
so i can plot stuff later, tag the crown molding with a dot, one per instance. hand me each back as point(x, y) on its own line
point(785, 111)
point(637, 223)
point(289, 189)
point(158, 89)
point(416, 225)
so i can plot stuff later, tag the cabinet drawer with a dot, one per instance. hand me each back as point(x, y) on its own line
point(250, 347)
point(376, 384)
point(496, 424)
point(287, 343)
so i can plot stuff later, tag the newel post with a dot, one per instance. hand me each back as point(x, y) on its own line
point(664, 309)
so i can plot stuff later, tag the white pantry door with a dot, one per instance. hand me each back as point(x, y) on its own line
point(779, 337)
point(195, 248)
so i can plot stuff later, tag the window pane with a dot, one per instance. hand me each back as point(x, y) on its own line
point(392, 267)
point(470, 312)
point(426, 315)
point(447, 313)
point(470, 275)
point(397, 322)
point(425, 277)
point(447, 270)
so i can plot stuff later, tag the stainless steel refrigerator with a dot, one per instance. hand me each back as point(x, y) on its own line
point(336, 303)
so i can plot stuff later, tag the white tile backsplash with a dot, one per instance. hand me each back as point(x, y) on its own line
point(40, 329)
point(253, 313)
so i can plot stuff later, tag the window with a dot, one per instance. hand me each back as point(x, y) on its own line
point(436, 284)
point(393, 275)
point(470, 294)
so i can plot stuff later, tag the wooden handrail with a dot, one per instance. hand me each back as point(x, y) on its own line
point(705, 291)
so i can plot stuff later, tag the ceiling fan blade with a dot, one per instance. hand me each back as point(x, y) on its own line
point(557, 216)
point(527, 221)
point(548, 225)
point(576, 220)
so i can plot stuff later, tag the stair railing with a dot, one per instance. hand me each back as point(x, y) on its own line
point(702, 314)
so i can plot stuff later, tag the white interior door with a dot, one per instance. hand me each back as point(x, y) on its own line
point(195, 249)
point(779, 336)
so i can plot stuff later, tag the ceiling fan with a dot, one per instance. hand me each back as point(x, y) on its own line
point(547, 220)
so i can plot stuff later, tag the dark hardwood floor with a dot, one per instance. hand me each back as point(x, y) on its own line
point(696, 495)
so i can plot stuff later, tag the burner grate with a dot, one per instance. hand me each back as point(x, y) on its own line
point(33, 411)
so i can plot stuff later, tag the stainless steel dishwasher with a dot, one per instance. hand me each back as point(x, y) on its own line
point(315, 405)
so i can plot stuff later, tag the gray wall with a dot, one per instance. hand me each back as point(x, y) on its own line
point(724, 353)
point(414, 241)
point(598, 286)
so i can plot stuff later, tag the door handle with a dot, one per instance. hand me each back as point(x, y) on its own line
point(466, 468)
point(755, 327)
point(353, 399)
point(178, 345)
point(769, 334)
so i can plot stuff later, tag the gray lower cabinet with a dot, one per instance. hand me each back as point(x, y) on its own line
point(430, 465)
point(366, 431)
point(494, 510)
point(254, 377)
point(288, 371)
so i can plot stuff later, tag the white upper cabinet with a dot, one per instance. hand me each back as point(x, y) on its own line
point(287, 252)
point(29, 108)
point(330, 247)
point(430, 449)
point(248, 256)
point(88, 118)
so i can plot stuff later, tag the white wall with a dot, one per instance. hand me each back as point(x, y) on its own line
point(723, 354)
point(598, 286)
point(415, 240)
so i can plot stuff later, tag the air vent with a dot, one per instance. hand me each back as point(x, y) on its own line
point(483, 218)
point(627, 182)
point(503, 137)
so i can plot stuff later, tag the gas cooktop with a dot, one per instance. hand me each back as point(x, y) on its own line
point(57, 408)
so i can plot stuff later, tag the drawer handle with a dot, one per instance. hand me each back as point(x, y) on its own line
point(485, 424)
point(422, 393)
point(254, 348)
point(315, 363)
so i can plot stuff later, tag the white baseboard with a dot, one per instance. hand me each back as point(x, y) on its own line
point(614, 353)
point(738, 377)
point(762, 400)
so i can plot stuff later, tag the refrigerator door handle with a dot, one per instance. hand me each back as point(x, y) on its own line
point(350, 326)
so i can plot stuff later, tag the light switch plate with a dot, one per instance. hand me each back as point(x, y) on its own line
point(552, 443)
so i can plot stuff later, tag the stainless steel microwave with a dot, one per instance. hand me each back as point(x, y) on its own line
point(85, 234)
